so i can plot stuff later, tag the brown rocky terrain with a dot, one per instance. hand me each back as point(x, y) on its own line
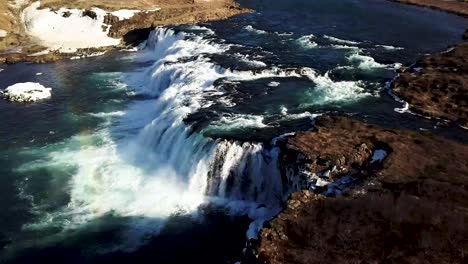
point(459, 7)
point(17, 46)
point(412, 209)
point(437, 85)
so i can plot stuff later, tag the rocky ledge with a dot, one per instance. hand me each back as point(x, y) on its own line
point(412, 206)
point(437, 85)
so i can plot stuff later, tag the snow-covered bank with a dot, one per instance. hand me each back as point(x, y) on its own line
point(67, 34)
point(26, 92)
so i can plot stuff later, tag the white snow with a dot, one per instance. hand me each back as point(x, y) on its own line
point(26, 92)
point(125, 13)
point(379, 155)
point(3, 33)
point(66, 34)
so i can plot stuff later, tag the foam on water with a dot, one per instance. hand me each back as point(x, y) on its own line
point(341, 41)
point(388, 47)
point(235, 121)
point(254, 30)
point(306, 42)
point(364, 62)
point(326, 90)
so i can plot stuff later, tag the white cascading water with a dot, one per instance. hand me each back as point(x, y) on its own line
point(149, 165)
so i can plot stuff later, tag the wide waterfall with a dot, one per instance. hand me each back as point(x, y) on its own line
point(152, 165)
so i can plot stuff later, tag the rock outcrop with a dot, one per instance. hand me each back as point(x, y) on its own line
point(411, 209)
point(437, 85)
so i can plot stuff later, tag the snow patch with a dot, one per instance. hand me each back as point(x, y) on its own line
point(26, 92)
point(67, 34)
point(124, 14)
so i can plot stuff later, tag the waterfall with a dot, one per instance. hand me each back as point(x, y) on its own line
point(150, 165)
point(178, 80)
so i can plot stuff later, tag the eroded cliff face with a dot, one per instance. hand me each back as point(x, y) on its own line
point(410, 207)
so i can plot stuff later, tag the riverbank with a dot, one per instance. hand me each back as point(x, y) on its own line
point(458, 7)
point(55, 30)
point(436, 86)
point(410, 208)
point(379, 195)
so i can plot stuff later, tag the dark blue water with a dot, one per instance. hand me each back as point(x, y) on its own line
point(94, 174)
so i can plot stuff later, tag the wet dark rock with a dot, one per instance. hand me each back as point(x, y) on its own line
point(90, 14)
point(66, 14)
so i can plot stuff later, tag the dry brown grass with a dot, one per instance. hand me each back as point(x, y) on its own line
point(378, 228)
point(122, 4)
point(10, 23)
point(413, 210)
point(454, 6)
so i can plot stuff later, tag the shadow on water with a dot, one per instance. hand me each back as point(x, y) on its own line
point(216, 238)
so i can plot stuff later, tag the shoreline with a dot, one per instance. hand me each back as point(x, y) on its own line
point(331, 222)
point(363, 187)
point(452, 6)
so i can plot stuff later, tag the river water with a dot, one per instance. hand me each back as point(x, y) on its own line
point(167, 154)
